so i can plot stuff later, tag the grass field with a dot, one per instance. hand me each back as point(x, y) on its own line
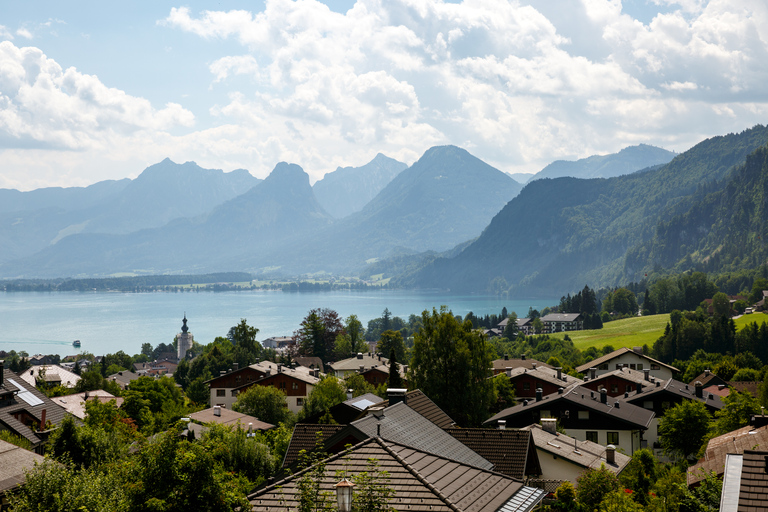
point(628, 332)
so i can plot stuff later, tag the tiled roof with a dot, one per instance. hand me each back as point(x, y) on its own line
point(421, 481)
point(583, 453)
point(616, 353)
point(354, 363)
point(707, 378)
point(510, 451)
point(75, 404)
point(401, 424)
point(311, 362)
point(124, 377)
point(14, 463)
point(549, 375)
point(560, 317)
point(421, 403)
point(635, 376)
point(753, 492)
point(503, 364)
point(39, 402)
point(229, 417)
point(304, 437)
point(53, 373)
point(747, 438)
point(678, 388)
point(631, 414)
point(300, 373)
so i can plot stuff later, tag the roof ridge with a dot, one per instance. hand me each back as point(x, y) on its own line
point(416, 474)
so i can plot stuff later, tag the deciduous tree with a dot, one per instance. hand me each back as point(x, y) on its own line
point(267, 403)
point(683, 428)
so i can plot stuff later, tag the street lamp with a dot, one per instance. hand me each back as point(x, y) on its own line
point(344, 495)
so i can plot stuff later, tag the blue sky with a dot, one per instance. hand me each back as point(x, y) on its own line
point(100, 90)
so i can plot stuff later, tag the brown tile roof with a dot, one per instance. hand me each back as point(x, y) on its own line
point(229, 417)
point(747, 438)
point(500, 365)
point(707, 378)
point(421, 403)
point(421, 481)
point(616, 353)
point(14, 463)
point(304, 437)
point(510, 451)
point(677, 388)
point(753, 492)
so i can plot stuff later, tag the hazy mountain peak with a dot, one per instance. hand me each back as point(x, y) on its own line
point(285, 173)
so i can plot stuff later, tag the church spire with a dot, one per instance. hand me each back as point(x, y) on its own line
point(184, 327)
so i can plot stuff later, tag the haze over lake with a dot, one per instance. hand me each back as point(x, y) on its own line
point(47, 323)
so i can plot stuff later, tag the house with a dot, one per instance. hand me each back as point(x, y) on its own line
point(585, 415)
point(422, 481)
point(548, 380)
point(618, 382)
point(660, 396)
point(505, 363)
point(14, 464)
point(347, 411)
point(279, 343)
point(223, 416)
point(311, 362)
point(296, 382)
point(751, 437)
point(422, 404)
point(745, 482)
point(123, 379)
point(51, 374)
point(634, 359)
point(564, 458)
point(378, 375)
point(512, 452)
point(75, 404)
point(25, 411)
point(156, 368)
point(562, 322)
point(525, 325)
point(356, 364)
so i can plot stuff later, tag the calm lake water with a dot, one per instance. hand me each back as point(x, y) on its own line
point(47, 323)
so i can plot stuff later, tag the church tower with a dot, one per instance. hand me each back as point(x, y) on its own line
point(184, 339)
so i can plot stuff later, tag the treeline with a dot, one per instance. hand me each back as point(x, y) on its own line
point(307, 286)
point(123, 284)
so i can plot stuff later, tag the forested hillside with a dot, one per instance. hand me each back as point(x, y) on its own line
point(562, 233)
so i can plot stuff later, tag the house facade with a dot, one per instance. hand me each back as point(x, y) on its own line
point(634, 359)
point(562, 322)
point(297, 383)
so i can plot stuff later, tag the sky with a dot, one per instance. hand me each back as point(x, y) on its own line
point(94, 90)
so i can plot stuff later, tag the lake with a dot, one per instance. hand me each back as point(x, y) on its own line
point(48, 322)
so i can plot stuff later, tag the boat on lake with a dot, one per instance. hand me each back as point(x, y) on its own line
point(76, 343)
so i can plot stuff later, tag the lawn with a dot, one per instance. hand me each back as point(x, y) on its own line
point(628, 332)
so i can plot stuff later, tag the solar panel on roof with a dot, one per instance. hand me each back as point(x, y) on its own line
point(362, 404)
point(26, 395)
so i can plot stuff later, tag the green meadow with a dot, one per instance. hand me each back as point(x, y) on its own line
point(628, 332)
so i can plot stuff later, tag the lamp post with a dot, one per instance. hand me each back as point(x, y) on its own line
point(344, 495)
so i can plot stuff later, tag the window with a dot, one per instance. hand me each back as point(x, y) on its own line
point(592, 436)
point(526, 386)
point(603, 366)
point(234, 392)
point(614, 388)
point(221, 392)
point(299, 402)
point(612, 438)
point(618, 366)
point(640, 366)
point(655, 367)
point(628, 388)
point(631, 366)
point(295, 386)
point(546, 414)
point(282, 385)
point(583, 415)
point(648, 404)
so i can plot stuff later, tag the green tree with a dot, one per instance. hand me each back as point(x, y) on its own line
point(358, 385)
point(391, 341)
point(450, 364)
point(198, 392)
point(721, 305)
point(683, 428)
point(640, 475)
point(739, 408)
point(244, 336)
point(566, 498)
point(318, 332)
point(746, 375)
point(326, 393)
point(593, 485)
point(538, 325)
point(503, 392)
point(372, 490)
point(395, 381)
point(267, 403)
point(146, 349)
point(619, 501)
point(510, 331)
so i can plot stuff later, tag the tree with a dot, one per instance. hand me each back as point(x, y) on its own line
point(326, 393)
point(721, 305)
point(593, 485)
point(739, 408)
point(391, 341)
point(566, 498)
point(267, 403)
point(451, 364)
point(619, 500)
point(640, 475)
point(146, 349)
point(510, 331)
point(318, 332)
point(243, 335)
point(198, 392)
point(358, 385)
point(372, 490)
point(394, 371)
point(503, 392)
point(683, 428)
point(538, 325)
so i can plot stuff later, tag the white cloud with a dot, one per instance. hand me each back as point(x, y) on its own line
point(23, 32)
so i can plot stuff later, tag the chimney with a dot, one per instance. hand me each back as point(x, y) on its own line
point(658, 383)
point(549, 425)
point(397, 395)
point(639, 388)
point(604, 396)
point(592, 373)
point(221, 372)
point(522, 357)
point(617, 404)
point(559, 391)
point(378, 412)
point(610, 454)
point(559, 373)
point(699, 389)
point(706, 373)
point(506, 357)
point(42, 420)
point(502, 424)
point(359, 355)
point(647, 372)
point(509, 371)
point(533, 365)
point(539, 393)
point(362, 368)
point(216, 410)
point(236, 366)
point(637, 350)
point(626, 394)
point(349, 393)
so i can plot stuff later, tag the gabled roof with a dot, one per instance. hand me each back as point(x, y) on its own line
point(53, 373)
point(510, 451)
point(75, 404)
point(547, 375)
point(561, 317)
point(422, 482)
point(677, 388)
point(310, 362)
point(616, 353)
point(633, 416)
point(14, 463)
point(354, 363)
point(707, 378)
point(503, 364)
point(421, 403)
point(299, 373)
point(582, 453)
point(401, 424)
point(747, 438)
point(634, 376)
point(124, 377)
point(229, 417)
point(304, 437)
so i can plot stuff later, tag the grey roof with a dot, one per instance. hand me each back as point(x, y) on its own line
point(229, 417)
point(560, 317)
point(582, 453)
point(745, 483)
point(423, 482)
point(401, 424)
point(14, 462)
point(503, 364)
point(362, 402)
point(616, 353)
point(422, 404)
point(549, 375)
point(675, 387)
point(628, 413)
point(354, 363)
point(636, 376)
point(125, 377)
